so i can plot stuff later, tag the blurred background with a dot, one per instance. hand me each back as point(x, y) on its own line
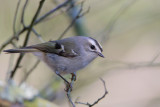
point(129, 31)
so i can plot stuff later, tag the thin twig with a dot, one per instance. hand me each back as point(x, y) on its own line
point(154, 58)
point(79, 14)
point(12, 38)
point(120, 65)
point(108, 29)
point(14, 45)
point(11, 59)
point(99, 99)
point(61, 11)
point(69, 89)
point(33, 21)
point(36, 22)
point(38, 35)
point(11, 63)
point(52, 11)
point(15, 17)
point(27, 37)
point(23, 12)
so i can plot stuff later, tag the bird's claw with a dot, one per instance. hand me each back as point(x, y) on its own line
point(68, 87)
point(73, 78)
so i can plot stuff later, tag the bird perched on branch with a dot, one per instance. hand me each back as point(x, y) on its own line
point(66, 55)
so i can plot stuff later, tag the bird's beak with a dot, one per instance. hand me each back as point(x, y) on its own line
point(100, 54)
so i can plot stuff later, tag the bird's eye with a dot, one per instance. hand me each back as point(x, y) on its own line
point(92, 47)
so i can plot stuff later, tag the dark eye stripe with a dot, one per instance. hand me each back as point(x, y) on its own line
point(97, 44)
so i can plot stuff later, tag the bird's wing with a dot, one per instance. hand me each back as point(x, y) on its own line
point(56, 48)
point(47, 47)
point(70, 48)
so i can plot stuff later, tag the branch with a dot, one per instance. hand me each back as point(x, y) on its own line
point(99, 99)
point(15, 36)
point(108, 29)
point(15, 17)
point(52, 11)
point(155, 58)
point(27, 37)
point(119, 65)
point(36, 22)
point(38, 35)
point(62, 10)
point(79, 15)
point(69, 89)
point(23, 11)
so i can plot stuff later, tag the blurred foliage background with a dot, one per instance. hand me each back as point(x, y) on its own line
point(129, 31)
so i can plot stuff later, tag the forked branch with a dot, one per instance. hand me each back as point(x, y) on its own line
point(99, 99)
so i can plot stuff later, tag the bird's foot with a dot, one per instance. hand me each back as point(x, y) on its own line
point(68, 87)
point(74, 77)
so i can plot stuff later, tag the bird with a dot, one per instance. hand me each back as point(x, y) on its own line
point(65, 56)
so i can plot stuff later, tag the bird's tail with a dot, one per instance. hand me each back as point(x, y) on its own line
point(21, 50)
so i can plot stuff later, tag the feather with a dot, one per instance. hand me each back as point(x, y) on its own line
point(21, 50)
point(47, 47)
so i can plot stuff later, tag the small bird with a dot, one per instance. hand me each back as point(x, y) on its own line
point(66, 55)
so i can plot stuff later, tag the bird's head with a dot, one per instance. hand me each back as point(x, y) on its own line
point(92, 47)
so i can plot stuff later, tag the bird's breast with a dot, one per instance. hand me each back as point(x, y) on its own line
point(64, 64)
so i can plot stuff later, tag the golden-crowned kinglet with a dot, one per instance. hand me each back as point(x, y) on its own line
point(66, 55)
